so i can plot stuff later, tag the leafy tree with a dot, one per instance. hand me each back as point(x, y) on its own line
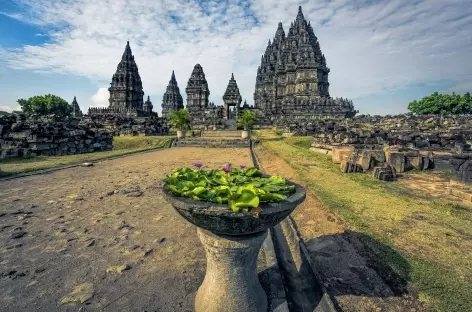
point(246, 119)
point(180, 119)
point(45, 104)
point(442, 104)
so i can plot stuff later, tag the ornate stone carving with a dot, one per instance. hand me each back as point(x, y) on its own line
point(292, 68)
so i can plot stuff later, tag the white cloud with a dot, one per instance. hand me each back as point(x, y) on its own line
point(9, 108)
point(370, 46)
point(100, 99)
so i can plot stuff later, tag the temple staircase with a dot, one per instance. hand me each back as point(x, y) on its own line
point(214, 139)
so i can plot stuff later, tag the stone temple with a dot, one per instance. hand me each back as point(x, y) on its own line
point(292, 79)
point(126, 90)
point(291, 87)
point(172, 100)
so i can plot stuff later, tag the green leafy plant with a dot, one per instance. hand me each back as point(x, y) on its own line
point(246, 119)
point(442, 104)
point(279, 132)
point(180, 119)
point(241, 188)
point(45, 104)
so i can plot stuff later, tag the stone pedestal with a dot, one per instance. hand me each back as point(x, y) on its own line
point(231, 282)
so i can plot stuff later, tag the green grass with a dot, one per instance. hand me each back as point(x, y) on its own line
point(121, 146)
point(437, 246)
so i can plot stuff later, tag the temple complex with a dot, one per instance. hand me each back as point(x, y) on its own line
point(172, 100)
point(292, 79)
point(291, 87)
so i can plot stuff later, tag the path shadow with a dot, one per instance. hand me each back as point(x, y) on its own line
point(348, 271)
point(353, 263)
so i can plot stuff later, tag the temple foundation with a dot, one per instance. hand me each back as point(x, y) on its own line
point(231, 282)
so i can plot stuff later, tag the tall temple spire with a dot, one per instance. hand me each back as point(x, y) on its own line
point(172, 100)
point(147, 107)
point(197, 94)
point(126, 90)
point(232, 97)
point(76, 112)
point(292, 69)
point(280, 33)
point(300, 16)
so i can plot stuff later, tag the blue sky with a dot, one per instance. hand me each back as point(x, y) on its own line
point(382, 54)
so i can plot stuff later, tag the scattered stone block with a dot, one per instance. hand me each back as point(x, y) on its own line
point(341, 153)
point(79, 294)
point(397, 161)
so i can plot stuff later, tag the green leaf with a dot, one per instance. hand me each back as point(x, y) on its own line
point(252, 172)
point(247, 199)
point(220, 179)
point(277, 179)
point(198, 190)
point(173, 189)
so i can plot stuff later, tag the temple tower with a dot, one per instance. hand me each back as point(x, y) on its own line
point(231, 98)
point(147, 107)
point(172, 100)
point(76, 112)
point(197, 95)
point(126, 90)
point(293, 70)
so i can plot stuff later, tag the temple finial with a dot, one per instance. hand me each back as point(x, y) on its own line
point(232, 76)
point(300, 16)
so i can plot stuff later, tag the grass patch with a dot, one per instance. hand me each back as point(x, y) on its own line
point(121, 146)
point(433, 237)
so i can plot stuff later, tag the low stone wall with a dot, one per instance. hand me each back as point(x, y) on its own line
point(118, 125)
point(50, 136)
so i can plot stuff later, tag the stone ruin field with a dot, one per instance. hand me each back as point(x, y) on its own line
point(102, 238)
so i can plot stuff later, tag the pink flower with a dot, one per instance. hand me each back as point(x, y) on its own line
point(198, 165)
point(226, 169)
point(242, 166)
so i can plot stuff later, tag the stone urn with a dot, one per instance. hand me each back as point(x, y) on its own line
point(232, 242)
point(181, 134)
point(245, 134)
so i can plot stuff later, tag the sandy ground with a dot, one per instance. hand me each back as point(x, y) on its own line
point(102, 238)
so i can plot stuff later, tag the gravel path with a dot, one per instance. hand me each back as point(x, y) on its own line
point(102, 238)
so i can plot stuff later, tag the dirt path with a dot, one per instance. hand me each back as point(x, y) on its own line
point(61, 232)
point(347, 261)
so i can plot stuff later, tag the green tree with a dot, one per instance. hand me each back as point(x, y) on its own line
point(180, 119)
point(246, 119)
point(442, 104)
point(45, 104)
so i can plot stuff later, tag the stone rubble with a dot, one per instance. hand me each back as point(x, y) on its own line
point(49, 136)
point(404, 142)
